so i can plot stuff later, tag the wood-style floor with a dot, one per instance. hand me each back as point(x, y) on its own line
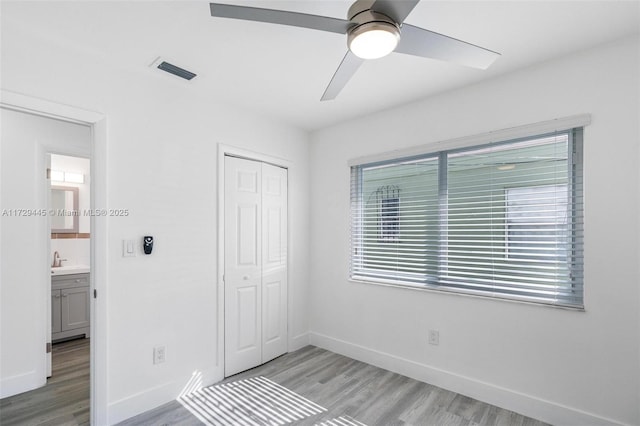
point(64, 401)
point(353, 390)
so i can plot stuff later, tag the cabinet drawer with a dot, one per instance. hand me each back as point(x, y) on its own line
point(69, 281)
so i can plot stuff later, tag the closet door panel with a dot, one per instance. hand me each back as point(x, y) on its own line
point(243, 265)
point(255, 264)
point(274, 262)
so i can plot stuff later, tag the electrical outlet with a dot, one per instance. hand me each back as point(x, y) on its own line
point(434, 337)
point(159, 354)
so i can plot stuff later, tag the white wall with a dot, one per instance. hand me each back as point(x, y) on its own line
point(25, 260)
point(76, 251)
point(162, 155)
point(562, 366)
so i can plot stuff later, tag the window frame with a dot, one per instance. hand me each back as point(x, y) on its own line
point(575, 219)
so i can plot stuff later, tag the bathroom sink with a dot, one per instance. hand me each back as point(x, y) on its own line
point(71, 269)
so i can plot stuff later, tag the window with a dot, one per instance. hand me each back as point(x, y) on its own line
point(500, 220)
point(388, 201)
point(537, 216)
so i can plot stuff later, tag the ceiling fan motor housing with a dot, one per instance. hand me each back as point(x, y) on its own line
point(365, 20)
point(360, 13)
point(358, 7)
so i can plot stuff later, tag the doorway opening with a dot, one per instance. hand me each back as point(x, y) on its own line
point(70, 248)
point(70, 260)
point(53, 292)
point(23, 373)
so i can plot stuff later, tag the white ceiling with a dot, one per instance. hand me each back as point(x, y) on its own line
point(282, 71)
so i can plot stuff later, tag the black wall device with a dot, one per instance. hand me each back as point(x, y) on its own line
point(147, 244)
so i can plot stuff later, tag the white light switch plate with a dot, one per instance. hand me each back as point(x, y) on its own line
point(128, 248)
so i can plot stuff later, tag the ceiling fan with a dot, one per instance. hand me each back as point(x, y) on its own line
point(374, 29)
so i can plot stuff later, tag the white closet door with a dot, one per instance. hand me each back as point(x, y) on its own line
point(255, 263)
point(274, 262)
point(243, 265)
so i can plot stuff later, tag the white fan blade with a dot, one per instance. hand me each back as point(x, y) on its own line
point(420, 42)
point(348, 67)
point(283, 17)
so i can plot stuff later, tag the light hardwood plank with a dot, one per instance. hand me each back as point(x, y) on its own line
point(346, 387)
point(64, 400)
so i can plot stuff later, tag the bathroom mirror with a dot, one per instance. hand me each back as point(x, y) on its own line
point(64, 203)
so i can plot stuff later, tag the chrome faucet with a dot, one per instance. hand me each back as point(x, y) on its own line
point(57, 262)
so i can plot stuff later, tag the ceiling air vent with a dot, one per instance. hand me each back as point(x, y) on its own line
point(173, 69)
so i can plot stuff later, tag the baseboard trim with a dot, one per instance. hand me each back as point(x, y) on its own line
point(139, 402)
point(20, 383)
point(151, 398)
point(531, 406)
point(298, 342)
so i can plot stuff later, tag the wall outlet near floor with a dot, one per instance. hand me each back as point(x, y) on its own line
point(434, 337)
point(159, 354)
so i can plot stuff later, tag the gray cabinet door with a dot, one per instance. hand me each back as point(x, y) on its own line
point(75, 308)
point(56, 323)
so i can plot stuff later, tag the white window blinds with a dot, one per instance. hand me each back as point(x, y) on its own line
point(501, 220)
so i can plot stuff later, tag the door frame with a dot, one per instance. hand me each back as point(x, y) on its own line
point(99, 226)
point(228, 150)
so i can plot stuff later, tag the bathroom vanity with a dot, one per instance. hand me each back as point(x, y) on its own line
point(69, 303)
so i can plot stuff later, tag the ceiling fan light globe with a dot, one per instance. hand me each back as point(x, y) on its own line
point(373, 40)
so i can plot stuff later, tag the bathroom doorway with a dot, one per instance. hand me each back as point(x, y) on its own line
point(29, 227)
point(17, 366)
point(69, 210)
